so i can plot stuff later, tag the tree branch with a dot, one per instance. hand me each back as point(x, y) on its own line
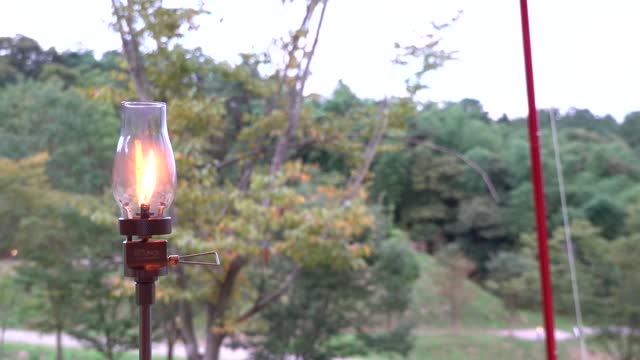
point(264, 300)
point(369, 154)
point(472, 164)
point(266, 149)
point(483, 174)
point(217, 311)
point(297, 88)
point(131, 49)
point(311, 53)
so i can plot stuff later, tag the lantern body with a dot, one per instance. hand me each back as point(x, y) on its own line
point(144, 170)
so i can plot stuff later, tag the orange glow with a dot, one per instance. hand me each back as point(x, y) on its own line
point(14, 252)
point(145, 174)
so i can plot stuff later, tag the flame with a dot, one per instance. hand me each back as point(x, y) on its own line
point(145, 174)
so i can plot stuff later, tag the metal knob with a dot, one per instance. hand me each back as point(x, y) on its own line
point(175, 260)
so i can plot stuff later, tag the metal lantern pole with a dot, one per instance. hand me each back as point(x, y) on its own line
point(538, 189)
point(145, 259)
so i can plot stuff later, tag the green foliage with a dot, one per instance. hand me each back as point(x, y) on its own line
point(8, 307)
point(585, 119)
point(78, 133)
point(515, 279)
point(67, 272)
point(22, 55)
point(395, 270)
point(391, 181)
point(399, 341)
point(607, 214)
point(325, 302)
point(23, 186)
point(630, 129)
point(621, 340)
point(342, 101)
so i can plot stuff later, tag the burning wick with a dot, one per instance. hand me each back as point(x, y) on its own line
point(145, 178)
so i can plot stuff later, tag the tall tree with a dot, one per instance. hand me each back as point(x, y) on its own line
point(67, 265)
point(261, 124)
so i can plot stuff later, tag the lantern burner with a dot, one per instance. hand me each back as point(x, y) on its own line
point(145, 213)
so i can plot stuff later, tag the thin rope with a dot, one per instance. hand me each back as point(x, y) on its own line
point(567, 236)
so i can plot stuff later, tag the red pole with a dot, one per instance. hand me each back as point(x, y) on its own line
point(538, 189)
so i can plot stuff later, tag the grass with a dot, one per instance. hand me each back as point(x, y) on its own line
point(430, 309)
point(484, 311)
point(460, 346)
point(15, 351)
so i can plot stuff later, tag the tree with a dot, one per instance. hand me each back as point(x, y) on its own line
point(391, 178)
point(64, 256)
point(76, 132)
point(514, 277)
point(105, 319)
point(394, 271)
point(66, 270)
point(630, 129)
point(326, 301)
point(583, 118)
point(23, 186)
point(159, 24)
point(480, 230)
point(607, 214)
point(618, 319)
point(22, 56)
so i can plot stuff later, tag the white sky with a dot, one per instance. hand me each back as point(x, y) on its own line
point(585, 51)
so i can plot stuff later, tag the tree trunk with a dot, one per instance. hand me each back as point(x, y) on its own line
point(131, 47)
point(171, 340)
point(187, 334)
point(214, 343)
point(59, 344)
point(2, 330)
point(170, 343)
point(296, 89)
point(185, 327)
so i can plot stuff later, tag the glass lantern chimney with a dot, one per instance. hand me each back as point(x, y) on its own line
point(144, 170)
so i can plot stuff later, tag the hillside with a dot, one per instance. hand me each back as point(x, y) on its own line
point(484, 310)
point(437, 339)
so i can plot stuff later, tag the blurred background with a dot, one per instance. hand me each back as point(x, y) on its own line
point(361, 167)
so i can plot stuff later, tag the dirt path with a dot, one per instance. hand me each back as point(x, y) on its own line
point(535, 334)
point(36, 338)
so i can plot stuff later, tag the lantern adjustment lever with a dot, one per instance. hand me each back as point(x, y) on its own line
point(175, 260)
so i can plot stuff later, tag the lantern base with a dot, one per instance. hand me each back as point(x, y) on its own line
point(145, 227)
point(145, 258)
